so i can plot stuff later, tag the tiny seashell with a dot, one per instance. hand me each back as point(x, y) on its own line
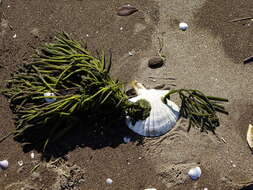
point(109, 181)
point(126, 10)
point(163, 117)
point(32, 155)
point(127, 139)
point(20, 163)
point(194, 173)
point(4, 164)
point(49, 100)
point(183, 26)
point(250, 136)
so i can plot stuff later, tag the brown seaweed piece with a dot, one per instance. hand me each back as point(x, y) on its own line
point(126, 10)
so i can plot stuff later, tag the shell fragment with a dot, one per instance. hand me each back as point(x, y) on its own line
point(250, 136)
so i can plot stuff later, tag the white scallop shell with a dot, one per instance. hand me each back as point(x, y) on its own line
point(4, 164)
point(195, 173)
point(163, 117)
point(250, 136)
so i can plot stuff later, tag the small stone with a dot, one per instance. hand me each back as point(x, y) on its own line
point(234, 165)
point(14, 36)
point(205, 188)
point(150, 189)
point(121, 28)
point(155, 62)
point(32, 155)
point(35, 32)
point(160, 86)
point(109, 181)
point(35, 176)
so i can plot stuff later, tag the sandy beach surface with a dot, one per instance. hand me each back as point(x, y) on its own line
point(207, 56)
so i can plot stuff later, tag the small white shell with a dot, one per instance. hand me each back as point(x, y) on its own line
point(250, 136)
point(32, 155)
point(163, 117)
point(49, 100)
point(4, 164)
point(183, 26)
point(194, 173)
point(109, 181)
point(127, 139)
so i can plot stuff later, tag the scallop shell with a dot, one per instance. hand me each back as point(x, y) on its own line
point(194, 173)
point(163, 117)
point(250, 136)
point(4, 164)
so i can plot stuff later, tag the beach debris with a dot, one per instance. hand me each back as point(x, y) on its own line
point(248, 60)
point(126, 10)
point(20, 163)
point(127, 139)
point(49, 94)
point(155, 62)
point(32, 155)
point(241, 19)
point(195, 173)
point(183, 26)
point(250, 136)
point(130, 53)
point(14, 36)
point(162, 117)
point(109, 181)
point(4, 164)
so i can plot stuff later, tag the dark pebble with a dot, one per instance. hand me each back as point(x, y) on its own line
point(126, 10)
point(155, 62)
point(160, 86)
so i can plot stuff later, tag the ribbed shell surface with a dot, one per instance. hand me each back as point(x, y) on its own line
point(162, 118)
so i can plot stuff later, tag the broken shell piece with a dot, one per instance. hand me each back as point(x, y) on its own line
point(4, 164)
point(49, 100)
point(250, 136)
point(126, 10)
point(32, 155)
point(194, 173)
point(163, 116)
point(109, 181)
point(20, 163)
